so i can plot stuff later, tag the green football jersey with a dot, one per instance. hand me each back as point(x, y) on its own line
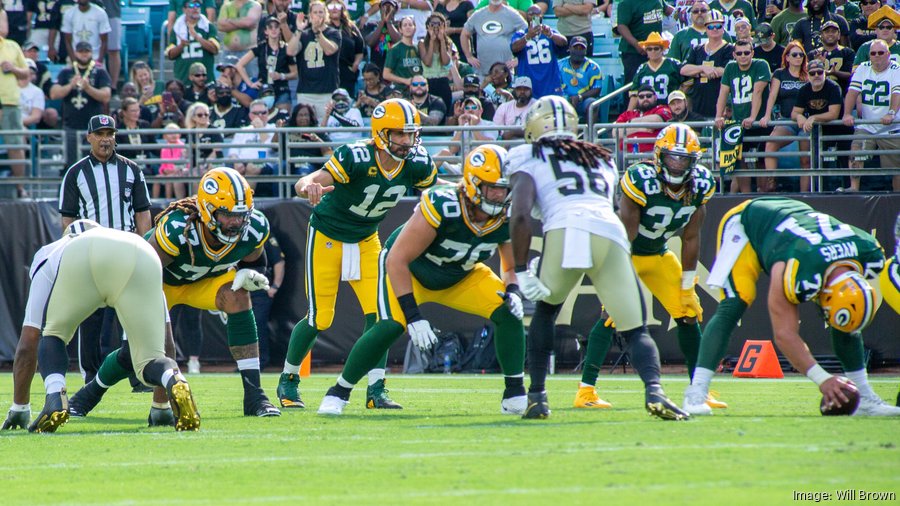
point(194, 258)
point(687, 39)
point(809, 242)
point(194, 52)
point(459, 244)
point(662, 214)
point(862, 54)
point(364, 192)
point(664, 80)
point(746, 7)
point(741, 83)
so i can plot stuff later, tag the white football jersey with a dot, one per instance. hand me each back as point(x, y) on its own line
point(571, 196)
point(44, 268)
point(875, 90)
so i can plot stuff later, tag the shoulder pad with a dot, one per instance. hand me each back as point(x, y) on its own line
point(170, 230)
point(439, 202)
point(635, 180)
point(258, 229)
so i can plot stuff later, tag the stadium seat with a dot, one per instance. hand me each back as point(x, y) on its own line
point(159, 9)
point(138, 37)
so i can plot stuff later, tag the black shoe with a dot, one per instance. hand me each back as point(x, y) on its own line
point(259, 405)
point(660, 406)
point(377, 397)
point(141, 389)
point(538, 408)
point(54, 415)
point(159, 417)
point(86, 399)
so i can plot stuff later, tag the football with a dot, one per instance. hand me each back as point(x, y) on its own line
point(848, 408)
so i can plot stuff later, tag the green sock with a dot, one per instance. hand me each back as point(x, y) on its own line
point(689, 342)
point(241, 329)
point(714, 341)
point(111, 371)
point(849, 350)
point(371, 319)
point(370, 348)
point(598, 344)
point(509, 341)
point(303, 337)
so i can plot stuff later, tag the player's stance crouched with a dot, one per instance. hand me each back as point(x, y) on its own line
point(96, 268)
point(809, 256)
point(437, 256)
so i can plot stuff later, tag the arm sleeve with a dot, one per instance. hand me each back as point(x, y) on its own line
point(69, 196)
point(140, 194)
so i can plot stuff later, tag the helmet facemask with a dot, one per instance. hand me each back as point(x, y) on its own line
point(229, 226)
point(390, 146)
point(675, 167)
point(848, 302)
point(490, 207)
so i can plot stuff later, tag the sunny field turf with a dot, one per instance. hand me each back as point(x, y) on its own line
point(451, 446)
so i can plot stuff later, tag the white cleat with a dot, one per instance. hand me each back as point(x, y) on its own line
point(193, 366)
point(514, 405)
point(873, 405)
point(695, 401)
point(332, 406)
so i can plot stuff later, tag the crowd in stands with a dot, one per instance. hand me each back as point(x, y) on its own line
point(287, 63)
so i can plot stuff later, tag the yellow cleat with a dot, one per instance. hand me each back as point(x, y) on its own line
point(712, 400)
point(587, 398)
point(187, 417)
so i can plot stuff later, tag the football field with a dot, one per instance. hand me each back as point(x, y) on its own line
point(451, 445)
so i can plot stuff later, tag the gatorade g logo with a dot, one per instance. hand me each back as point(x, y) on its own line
point(378, 113)
point(842, 317)
point(749, 359)
point(492, 27)
point(732, 134)
point(211, 186)
point(477, 159)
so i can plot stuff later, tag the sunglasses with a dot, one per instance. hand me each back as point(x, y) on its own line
point(702, 11)
point(201, 114)
point(646, 96)
point(436, 24)
point(418, 83)
point(817, 73)
point(259, 113)
point(868, 3)
point(193, 5)
point(885, 27)
point(653, 48)
point(743, 53)
point(796, 55)
point(471, 107)
point(715, 27)
point(335, 7)
point(199, 75)
point(877, 53)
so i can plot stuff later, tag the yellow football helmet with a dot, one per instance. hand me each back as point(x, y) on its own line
point(486, 165)
point(677, 151)
point(848, 302)
point(224, 193)
point(398, 115)
point(551, 116)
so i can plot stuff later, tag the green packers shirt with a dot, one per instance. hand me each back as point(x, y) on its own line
point(664, 79)
point(741, 83)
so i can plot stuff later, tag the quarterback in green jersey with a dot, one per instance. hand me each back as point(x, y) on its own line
point(809, 257)
point(350, 196)
point(438, 256)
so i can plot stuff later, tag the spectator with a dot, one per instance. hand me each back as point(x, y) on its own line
point(113, 10)
point(304, 116)
point(238, 23)
point(745, 84)
point(512, 113)
point(403, 58)
point(732, 12)
point(817, 13)
point(535, 49)
point(681, 111)
point(431, 108)
point(471, 116)
point(88, 23)
point(129, 90)
point(818, 101)
point(14, 69)
point(40, 12)
point(262, 299)
point(255, 147)
point(886, 31)
point(876, 84)
point(17, 21)
point(456, 12)
point(791, 75)
point(174, 163)
point(661, 73)
point(419, 10)
point(772, 8)
point(496, 84)
point(783, 23)
point(84, 89)
point(860, 33)
point(31, 99)
point(849, 10)
point(382, 31)
point(766, 47)
point(705, 64)
point(838, 59)
point(56, 43)
point(493, 26)
point(42, 77)
point(229, 76)
point(194, 39)
point(636, 20)
point(172, 106)
point(374, 91)
point(130, 139)
point(575, 19)
point(581, 77)
point(471, 89)
point(176, 10)
point(318, 45)
point(202, 159)
point(434, 51)
point(276, 68)
point(279, 10)
point(519, 5)
point(353, 46)
point(277, 113)
point(692, 36)
point(197, 90)
point(150, 90)
point(646, 110)
point(226, 111)
point(743, 30)
point(340, 115)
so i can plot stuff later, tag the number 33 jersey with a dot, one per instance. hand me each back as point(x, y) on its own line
point(662, 214)
point(364, 192)
point(569, 195)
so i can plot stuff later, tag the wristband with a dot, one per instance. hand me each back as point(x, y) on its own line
point(512, 288)
point(410, 307)
point(521, 268)
point(687, 279)
point(274, 285)
point(817, 374)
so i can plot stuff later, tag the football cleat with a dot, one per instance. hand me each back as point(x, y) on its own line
point(184, 409)
point(695, 400)
point(712, 400)
point(377, 397)
point(17, 420)
point(86, 399)
point(160, 417)
point(288, 391)
point(332, 404)
point(873, 405)
point(258, 405)
point(660, 406)
point(54, 415)
point(537, 408)
point(587, 398)
point(140, 388)
point(193, 366)
point(514, 405)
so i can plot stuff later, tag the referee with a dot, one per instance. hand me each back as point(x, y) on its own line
point(110, 189)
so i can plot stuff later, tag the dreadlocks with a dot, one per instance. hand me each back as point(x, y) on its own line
point(582, 153)
point(191, 209)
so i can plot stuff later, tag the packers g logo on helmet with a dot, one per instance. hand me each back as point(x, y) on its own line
point(486, 165)
point(677, 151)
point(396, 114)
point(848, 302)
point(225, 192)
point(551, 116)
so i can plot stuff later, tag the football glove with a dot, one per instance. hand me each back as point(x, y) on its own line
point(532, 287)
point(17, 420)
point(690, 303)
point(514, 301)
point(249, 280)
point(421, 335)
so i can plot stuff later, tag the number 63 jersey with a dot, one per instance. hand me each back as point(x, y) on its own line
point(364, 192)
point(570, 195)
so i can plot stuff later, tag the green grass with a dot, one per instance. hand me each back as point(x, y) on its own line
point(450, 446)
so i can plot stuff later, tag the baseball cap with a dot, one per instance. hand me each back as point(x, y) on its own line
point(83, 46)
point(29, 45)
point(715, 17)
point(471, 80)
point(101, 122)
point(522, 82)
point(645, 87)
point(272, 20)
point(676, 95)
point(831, 24)
point(764, 30)
point(228, 60)
point(340, 92)
point(578, 40)
point(815, 64)
point(741, 20)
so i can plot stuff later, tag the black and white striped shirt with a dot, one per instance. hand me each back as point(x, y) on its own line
point(109, 193)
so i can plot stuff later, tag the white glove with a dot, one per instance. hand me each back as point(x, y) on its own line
point(515, 303)
point(532, 287)
point(421, 335)
point(249, 280)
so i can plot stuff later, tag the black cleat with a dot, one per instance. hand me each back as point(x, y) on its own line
point(54, 415)
point(141, 389)
point(377, 397)
point(660, 406)
point(259, 405)
point(160, 417)
point(86, 399)
point(538, 408)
